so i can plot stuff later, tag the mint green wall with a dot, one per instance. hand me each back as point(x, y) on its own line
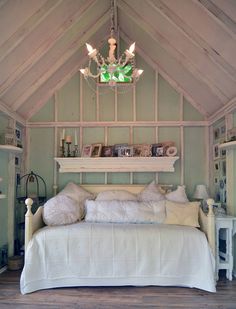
point(69, 101)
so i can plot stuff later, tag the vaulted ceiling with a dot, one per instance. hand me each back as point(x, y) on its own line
point(190, 42)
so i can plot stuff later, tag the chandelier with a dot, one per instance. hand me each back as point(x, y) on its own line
point(110, 70)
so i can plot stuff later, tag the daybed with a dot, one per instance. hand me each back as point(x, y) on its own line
point(121, 241)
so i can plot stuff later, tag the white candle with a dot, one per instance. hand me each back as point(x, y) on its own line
point(76, 141)
point(63, 134)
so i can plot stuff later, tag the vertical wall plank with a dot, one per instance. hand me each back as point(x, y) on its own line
point(181, 116)
point(55, 176)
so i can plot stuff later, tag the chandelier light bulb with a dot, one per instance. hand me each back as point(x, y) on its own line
point(132, 48)
point(140, 72)
point(91, 51)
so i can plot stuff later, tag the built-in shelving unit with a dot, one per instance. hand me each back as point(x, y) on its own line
point(228, 145)
point(11, 148)
point(116, 164)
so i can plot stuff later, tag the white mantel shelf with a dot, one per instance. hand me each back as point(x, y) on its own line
point(228, 145)
point(11, 148)
point(116, 164)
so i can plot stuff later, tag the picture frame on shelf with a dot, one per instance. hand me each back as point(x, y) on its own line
point(116, 148)
point(107, 151)
point(126, 151)
point(137, 150)
point(216, 133)
point(96, 150)
point(216, 152)
point(157, 150)
point(18, 137)
point(86, 150)
point(222, 153)
point(147, 150)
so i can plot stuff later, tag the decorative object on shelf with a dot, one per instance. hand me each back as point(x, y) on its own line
point(62, 143)
point(216, 152)
point(157, 150)
point(201, 194)
point(76, 151)
point(86, 150)
point(18, 133)
point(171, 151)
point(68, 142)
point(107, 151)
point(96, 150)
point(146, 150)
point(231, 135)
point(116, 148)
point(137, 150)
point(10, 138)
point(126, 151)
point(110, 70)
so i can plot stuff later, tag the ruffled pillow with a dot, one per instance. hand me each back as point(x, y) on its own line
point(179, 195)
point(79, 195)
point(125, 211)
point(151, 193)
point(60, 210)
point(120, 195)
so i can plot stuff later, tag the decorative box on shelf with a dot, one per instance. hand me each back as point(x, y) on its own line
point(116, 164)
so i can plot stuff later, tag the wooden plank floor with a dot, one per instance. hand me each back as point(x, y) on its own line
point(115, 297)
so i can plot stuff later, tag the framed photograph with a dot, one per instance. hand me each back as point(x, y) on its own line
point(222, 153)
point(223, 168)
point(116, 148)
point(126, 151)
point(157, 150)
point(86, 151)
point(18, 134)
point(17, 161)
point(107, 151)
point(96, 150)
point(222, 130)
point(146, 150)
point(137, 150)
point(216, 152)
point(216, 133)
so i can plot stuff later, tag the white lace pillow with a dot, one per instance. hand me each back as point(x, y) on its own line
point(179, 195)
point(78, 194)
point(125, 211)
point(121, 195)
point(60, 210)
point(182, 213)
point(151, 193)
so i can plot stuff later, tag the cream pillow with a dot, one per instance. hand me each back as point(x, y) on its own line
point(182, 213)
point(79, 195)
point(151, 193)
point(179, 195)
point(121, 195)
point(60, 210)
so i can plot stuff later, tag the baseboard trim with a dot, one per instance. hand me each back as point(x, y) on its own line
point(4, 268)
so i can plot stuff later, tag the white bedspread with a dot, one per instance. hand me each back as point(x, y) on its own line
point(97, 254)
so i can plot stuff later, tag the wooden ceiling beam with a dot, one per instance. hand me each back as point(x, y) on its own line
point(72, 13)
point(73, 48)
point(136, 14)
point(23, 31)
point(7, 111)
point(192, 35)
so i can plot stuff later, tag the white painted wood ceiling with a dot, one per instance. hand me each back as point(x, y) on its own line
point(192, 42)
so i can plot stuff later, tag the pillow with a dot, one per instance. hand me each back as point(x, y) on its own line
point(178, 195)
point(60, 210)
point(79, 195)
point(151, 193)
point(125, 211)
point(121, 195)
point(182, 213)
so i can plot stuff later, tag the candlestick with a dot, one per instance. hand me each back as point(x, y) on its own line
point(76, 151)
point(68, 149)
point(62, 148)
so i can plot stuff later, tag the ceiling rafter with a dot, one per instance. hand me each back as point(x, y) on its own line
point(45, 47)
point(161, 5)
point(76, 44)
point(24, 30)
point(181, 58)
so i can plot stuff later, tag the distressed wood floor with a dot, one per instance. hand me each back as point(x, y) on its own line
point(115, 297)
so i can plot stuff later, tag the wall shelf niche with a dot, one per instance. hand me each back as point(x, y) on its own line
point(116, 164)
point(11, 148)
point(228, 145)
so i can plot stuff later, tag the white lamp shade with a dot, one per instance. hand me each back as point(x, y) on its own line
point(201, 192)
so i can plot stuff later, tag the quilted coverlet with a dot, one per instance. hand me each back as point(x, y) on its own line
point(106, 254)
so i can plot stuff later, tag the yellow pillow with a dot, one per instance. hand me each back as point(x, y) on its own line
point(182, 213)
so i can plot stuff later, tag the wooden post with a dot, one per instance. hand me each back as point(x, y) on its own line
point(28, 221)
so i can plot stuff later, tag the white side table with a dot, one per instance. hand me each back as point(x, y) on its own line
point(225, 229)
